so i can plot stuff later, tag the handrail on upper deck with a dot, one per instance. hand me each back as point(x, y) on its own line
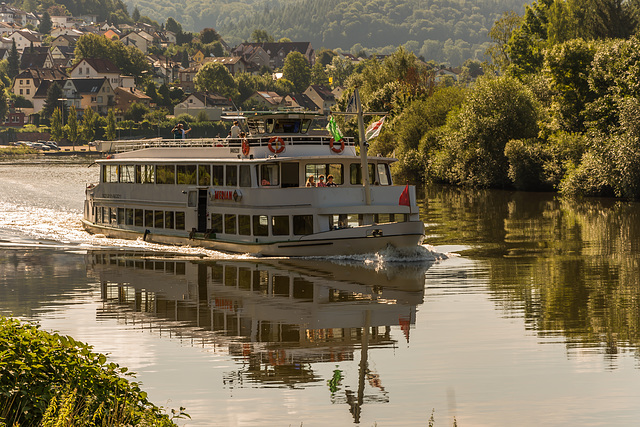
point(120, 146)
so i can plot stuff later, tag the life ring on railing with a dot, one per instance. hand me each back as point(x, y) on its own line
point(278, 147)
point(336, 149)
point(245, 147)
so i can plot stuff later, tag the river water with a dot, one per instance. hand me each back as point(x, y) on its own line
point(523, 309)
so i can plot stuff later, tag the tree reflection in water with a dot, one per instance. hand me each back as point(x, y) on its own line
point(571, 266)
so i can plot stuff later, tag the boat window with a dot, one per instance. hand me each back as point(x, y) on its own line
point(231, 178)
point(128, 216)
point(192, 202)
point(287, 126)
point(139, 218)
point(245, 176)
point(280, 225)
point(260, 225)
point(148, 218)
point(338, 221)
point(127, 173)
point(105, 214)
point(158, 220)
point(383, 174)
point(290, 177)
point(168, 219)
point(269, 125)
point(302, 224)
point(204, 175)
point(356, 176)
point(110, 173)
point(244, 225)
point(306, 124)
point(216, 223)
point(269, 175)
point(326, 169)
point(166, 174)
point(187, 174)
point(230, 224)
point(120, 215)
point(145, 174)
point(218, 175)
point(179, 220)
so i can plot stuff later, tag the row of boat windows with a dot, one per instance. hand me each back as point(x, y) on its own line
point(140, 217)
point(240, 175)
point(244, 225)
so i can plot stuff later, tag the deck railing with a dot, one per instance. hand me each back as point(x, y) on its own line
point(119, 146)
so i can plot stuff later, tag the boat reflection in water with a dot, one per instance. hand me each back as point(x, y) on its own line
point(276, 318)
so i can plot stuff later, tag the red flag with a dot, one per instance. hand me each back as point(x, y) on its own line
point(404, 197)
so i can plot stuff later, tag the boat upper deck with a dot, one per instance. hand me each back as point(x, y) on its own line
point(268, 135)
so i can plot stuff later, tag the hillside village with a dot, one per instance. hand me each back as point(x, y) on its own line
point(98, 83)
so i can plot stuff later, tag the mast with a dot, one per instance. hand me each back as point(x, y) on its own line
point(363, 149)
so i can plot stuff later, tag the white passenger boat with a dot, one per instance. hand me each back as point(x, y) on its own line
point(248, 195)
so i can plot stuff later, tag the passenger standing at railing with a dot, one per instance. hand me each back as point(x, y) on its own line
point(235, 130)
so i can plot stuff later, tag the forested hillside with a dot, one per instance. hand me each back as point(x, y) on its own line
point(442, 30)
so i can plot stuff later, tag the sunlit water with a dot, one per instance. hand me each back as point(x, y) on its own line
point(524, 312)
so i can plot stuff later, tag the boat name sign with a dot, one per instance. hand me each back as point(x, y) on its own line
point(235, 195)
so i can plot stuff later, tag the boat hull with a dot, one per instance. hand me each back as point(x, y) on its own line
point(348, 241)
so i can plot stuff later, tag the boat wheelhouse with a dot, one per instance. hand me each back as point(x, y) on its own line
point(249, 194)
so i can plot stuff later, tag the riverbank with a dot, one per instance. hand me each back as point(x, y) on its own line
point(47, 379)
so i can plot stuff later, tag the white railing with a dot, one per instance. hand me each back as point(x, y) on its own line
point(120, 146)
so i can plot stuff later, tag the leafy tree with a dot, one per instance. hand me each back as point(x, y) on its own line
point(111, 125)
point(45, 23)
point(57, 132)
point(14, 61)
point(185, 59)
point(89, 121)
point(136, 14)
point(319, 75)
point(129, 59)
point(72, 126)
point(496, 111)
point(325, 56)
point(136, 112)
point(500, 34)
point(339, 70)
point(54, 93)
point(173, 26)
point(261, 36)
point(209, 35)
point(214, 77)
point(566, 65)
point(4, 106)
point(296, 69)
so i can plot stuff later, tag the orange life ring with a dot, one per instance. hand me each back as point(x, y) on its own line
point(279, 145)
point(334, 149)
point(245, 147)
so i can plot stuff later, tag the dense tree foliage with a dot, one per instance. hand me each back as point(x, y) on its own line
point(444, 30)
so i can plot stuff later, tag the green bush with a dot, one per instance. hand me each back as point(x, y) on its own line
point(51, 379)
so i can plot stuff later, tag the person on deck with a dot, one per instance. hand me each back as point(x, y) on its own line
point(330, 182)
point(321, 182)
point(311, 181)
point(235, 130)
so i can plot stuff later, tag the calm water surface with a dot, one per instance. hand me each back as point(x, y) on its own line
point(523, 311)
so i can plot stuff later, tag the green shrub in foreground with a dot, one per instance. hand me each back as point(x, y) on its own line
point(50, 379)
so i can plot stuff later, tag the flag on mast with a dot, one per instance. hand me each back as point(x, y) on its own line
point(334, 130)
point(373, 130)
